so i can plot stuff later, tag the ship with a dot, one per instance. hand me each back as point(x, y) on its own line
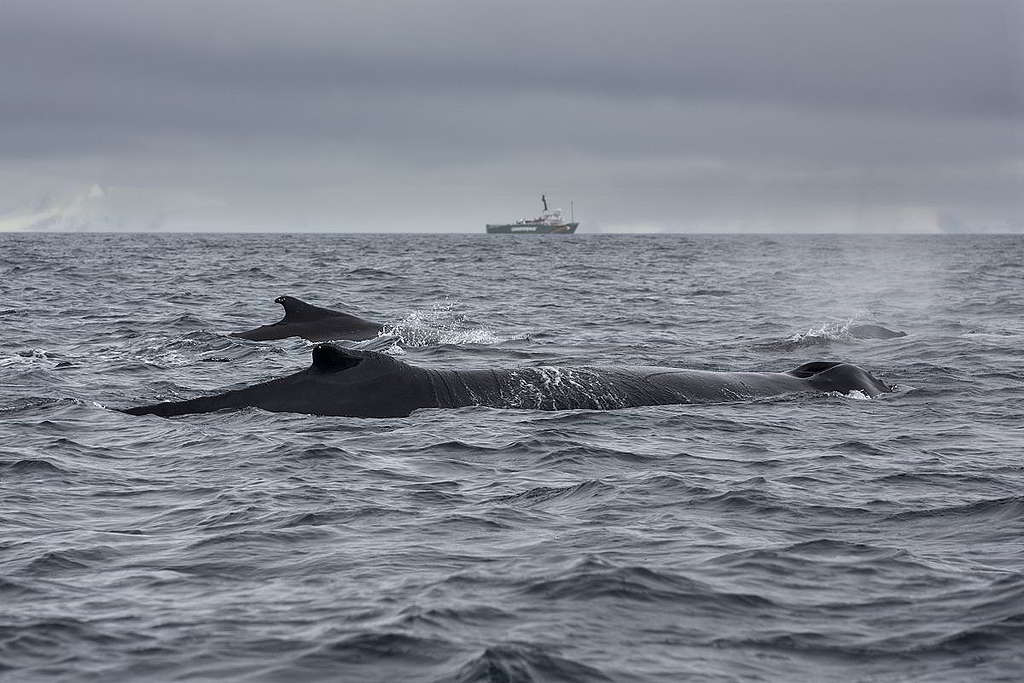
point(550, 222)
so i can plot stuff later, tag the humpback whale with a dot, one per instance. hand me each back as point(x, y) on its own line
point(873, 332)
point(312, 323)
point(836, 333)
point(353, 383)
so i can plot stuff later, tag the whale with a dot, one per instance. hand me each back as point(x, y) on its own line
point(359, 383)
point(868, 331)
point(312, 323)
point(825, 338)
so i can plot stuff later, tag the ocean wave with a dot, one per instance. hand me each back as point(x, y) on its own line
point(816, 558)
point(520, 662)
point(30, 466)
point(545, 494)
point(341, 516)
point(373, 273)
point(25, 645)
point(12, 589)
point(457, 447)
point(981, 639)
point(312, 452)
point(1009, 509)
point(460, 614)
point(990, 635)
point(188, 349)
point(589, 453)
point(375, 652)
point(72, 559)
point(34, 358)
point(36, 405)
point(592, 579)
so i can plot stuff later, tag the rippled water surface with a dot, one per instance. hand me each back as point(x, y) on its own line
point(796, 538)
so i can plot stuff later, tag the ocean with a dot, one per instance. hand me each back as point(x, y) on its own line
point(799, 538)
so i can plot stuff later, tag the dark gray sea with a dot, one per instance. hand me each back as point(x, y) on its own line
point(802, 538)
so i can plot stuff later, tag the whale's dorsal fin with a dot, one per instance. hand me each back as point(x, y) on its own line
point(840, 377)
point(331, 358)
point(811, 369)
point(296, 310)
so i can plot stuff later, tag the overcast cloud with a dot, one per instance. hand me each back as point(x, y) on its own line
point(672, 115)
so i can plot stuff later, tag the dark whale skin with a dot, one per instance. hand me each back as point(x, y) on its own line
point(313, 324)
point(346, 382)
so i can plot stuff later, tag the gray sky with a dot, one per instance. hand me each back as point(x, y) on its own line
point(774, 115)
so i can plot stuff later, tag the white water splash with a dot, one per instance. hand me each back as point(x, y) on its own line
point(439, 324)
point(828, 332)
point(31, 358)
point(856, 395)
